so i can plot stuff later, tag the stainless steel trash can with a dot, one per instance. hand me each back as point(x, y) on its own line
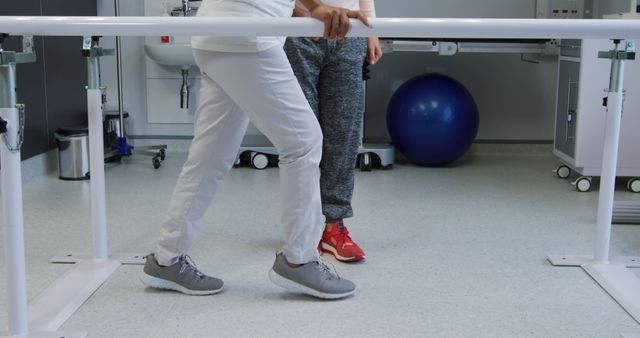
point(73, 153)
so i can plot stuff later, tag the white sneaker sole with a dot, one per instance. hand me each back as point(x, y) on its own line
point(332, 250)
point(299, 288)
point(158, 283)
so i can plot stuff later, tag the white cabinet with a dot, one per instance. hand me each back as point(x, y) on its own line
point(580, 115)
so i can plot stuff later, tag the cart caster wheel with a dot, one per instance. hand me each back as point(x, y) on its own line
point(583, 184)
point(563, 171)
point(259, 160)
point(156, 162)
point(365, 162)
point(163, 154)
point(633, 185)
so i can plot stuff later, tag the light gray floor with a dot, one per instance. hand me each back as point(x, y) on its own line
point(451, 252)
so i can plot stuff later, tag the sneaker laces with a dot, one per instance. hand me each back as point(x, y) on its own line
point(345, 234)
point(326, 269)
point(189, 265)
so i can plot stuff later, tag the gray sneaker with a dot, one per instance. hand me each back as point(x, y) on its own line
point(183, 276)
point(314, 278)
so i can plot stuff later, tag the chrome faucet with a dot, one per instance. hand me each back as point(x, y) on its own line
point(185, 8)
point(184, 89)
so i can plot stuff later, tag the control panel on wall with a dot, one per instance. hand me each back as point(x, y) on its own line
point(560, 9)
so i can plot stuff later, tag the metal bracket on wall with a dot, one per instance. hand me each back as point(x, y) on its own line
point(26, 56)
point(91, 47)
point(547, 47)
point(13, 137)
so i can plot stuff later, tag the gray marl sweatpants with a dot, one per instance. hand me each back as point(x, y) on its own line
point(330, 74)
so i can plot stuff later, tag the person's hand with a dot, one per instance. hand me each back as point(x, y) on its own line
point(374, 52)
point(300, 12)
point(336, 20)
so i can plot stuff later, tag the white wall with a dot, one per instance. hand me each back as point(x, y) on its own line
point(614, 6)
point(457, 8)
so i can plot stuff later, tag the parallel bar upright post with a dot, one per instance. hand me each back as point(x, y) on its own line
point(12, 204)
point(96, 159)
point(116, 6)
point(609, 160)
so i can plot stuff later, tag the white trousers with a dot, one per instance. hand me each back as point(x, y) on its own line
point(236, 88)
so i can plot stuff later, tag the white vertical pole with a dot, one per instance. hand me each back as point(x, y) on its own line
point(116, 7)
point(12, 203)
point(96, 164)
point(609, 162)
point(14, 226)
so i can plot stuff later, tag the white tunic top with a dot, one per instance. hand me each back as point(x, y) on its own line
point(348, 4)
point(367, 7)
point(242, 8)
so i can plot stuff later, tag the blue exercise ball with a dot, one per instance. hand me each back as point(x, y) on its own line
point(432, 119)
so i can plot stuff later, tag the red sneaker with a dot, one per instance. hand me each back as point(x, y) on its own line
point(338, 243)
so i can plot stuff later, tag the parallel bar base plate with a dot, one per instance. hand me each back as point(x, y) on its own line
point(57, 334)
point(77, 257)
point(580, 260)
point(614, 277)
point(65, 296)
point(622, 284)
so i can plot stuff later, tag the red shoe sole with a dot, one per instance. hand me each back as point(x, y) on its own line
point(329, 249)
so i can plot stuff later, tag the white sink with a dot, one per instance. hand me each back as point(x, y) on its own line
point(176, 54)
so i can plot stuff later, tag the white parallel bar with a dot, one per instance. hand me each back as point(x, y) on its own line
point(65, 296)
point(14, 226)
point(622, 284)
point(381, 27)
point(96, 165)
point(608, 177)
